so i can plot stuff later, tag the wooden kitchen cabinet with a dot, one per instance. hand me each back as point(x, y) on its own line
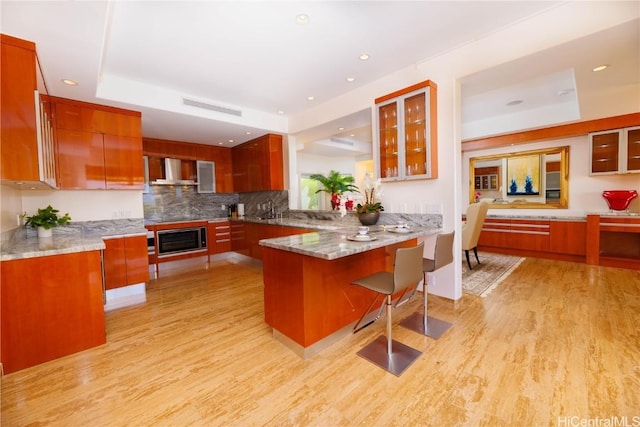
point(26, 143)
point(615, 151)
point(51, 306)
point(98, 147)
point(219, 237)
point(258, 165)
point(406, 143)
point(126, 261)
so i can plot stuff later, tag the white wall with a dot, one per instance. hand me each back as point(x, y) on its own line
point(10, 207)
point(585, 192)
point(566, 22)
point(86, 205)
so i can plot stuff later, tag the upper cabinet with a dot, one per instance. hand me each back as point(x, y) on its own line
point(98, 147)
point(27, 134)
point(615, 151)
point(405, 141)
point(257, 165)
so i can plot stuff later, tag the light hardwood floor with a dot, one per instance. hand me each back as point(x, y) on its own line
point(555, 344)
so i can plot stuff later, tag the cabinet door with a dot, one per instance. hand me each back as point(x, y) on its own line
point(406, 137)
point(604, 152)
point(115, 264)
point(124, 168)
point(568, 237)
point(137, 259)
point(80, 160)
point(18, 147)
point(206, 177)
point(633, 149)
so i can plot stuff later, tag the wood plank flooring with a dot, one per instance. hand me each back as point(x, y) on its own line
point(555, 343)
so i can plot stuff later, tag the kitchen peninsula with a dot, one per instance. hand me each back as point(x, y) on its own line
point(309, 301)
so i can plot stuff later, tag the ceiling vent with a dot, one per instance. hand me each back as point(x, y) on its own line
point(211, 107)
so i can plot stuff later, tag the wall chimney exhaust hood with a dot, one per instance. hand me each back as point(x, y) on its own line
point(173, 174)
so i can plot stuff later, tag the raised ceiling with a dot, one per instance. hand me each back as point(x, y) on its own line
point(256, 62)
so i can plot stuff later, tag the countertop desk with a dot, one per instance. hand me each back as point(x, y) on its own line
point(309, 301)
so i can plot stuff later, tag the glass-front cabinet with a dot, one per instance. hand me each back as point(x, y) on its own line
point(615, 151)
point(406, 134)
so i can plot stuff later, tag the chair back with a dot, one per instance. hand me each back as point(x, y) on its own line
point(476, 213)
point(407, 269)
point(443, 253)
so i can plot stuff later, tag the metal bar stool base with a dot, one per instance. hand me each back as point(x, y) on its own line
point(435, 327)
point(402, 356)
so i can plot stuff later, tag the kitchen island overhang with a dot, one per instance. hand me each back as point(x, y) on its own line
point(309, 301)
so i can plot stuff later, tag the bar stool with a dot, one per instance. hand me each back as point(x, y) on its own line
point(391, 355)
point(427, 325)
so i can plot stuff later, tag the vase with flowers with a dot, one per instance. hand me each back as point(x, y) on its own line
point(368, 210)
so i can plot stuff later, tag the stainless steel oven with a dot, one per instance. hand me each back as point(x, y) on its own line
point(181, 240)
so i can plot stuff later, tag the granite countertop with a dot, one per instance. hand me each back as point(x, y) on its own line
point(330, 245)
point(76, 237)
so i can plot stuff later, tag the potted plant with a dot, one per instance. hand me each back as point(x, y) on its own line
point(335, 184)
point(369, 209)
point(45, 219)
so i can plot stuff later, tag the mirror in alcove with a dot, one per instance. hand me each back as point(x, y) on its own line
point(536, 179)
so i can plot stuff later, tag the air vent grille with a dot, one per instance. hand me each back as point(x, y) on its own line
point(211, 107)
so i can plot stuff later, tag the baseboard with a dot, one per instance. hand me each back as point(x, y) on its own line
point(125, 296)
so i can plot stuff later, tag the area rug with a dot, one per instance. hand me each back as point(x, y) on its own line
point(484, 277)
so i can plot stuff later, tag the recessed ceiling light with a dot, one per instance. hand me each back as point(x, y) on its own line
point(515, 102)
point(310, 98)
point(600, 67)
point(364, 56)
point(231, 141)
point(70, 82)
point(247, 133)
point(302, 19)
point(280, 112)
point(351, 79)
point(220, 143)
point(340, 128)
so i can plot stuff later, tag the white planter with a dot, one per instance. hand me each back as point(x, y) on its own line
point(44, 233)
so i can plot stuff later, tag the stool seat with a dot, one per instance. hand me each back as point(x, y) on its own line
point(381, 282)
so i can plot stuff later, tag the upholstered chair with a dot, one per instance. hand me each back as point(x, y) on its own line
point(476, 213)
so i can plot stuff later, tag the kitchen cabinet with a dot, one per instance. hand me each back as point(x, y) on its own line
point(26, 143)
point(219, 237)
point(615, 151)
point(258, 165)
point(98, 147)
point(51, 306)
point(126, 261)
point(158, 149)
point(245, 236)
point(206, 176)
point(405, 140)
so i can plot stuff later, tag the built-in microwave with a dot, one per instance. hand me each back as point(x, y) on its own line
point(181, 240)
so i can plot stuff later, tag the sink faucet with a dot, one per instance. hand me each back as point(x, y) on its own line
point(272, 209)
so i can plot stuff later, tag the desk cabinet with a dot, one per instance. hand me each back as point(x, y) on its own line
point(555, 239)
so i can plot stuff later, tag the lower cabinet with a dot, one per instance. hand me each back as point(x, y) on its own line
point(51, 306)
point(246, 236)
point(126, 261)
point(219, 237)
point(556, 239)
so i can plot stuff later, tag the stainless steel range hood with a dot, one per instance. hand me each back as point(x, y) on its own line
point(173, 174)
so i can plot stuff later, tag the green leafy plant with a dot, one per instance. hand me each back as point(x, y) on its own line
point(47, 218)
point(334, 183)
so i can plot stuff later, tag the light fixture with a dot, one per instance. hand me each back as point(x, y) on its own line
point(341, 128)
point(310, 98)
point(514, 102)
point(247, 132)
point(280, 112)
point(600, 67)
point(70, 82)
point(364, 56)
point(302, 19)
point(220, 143)
point(231, 141)
point(351, 79)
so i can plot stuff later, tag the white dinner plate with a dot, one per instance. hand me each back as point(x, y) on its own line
point(361, 238)
point(400, 230)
